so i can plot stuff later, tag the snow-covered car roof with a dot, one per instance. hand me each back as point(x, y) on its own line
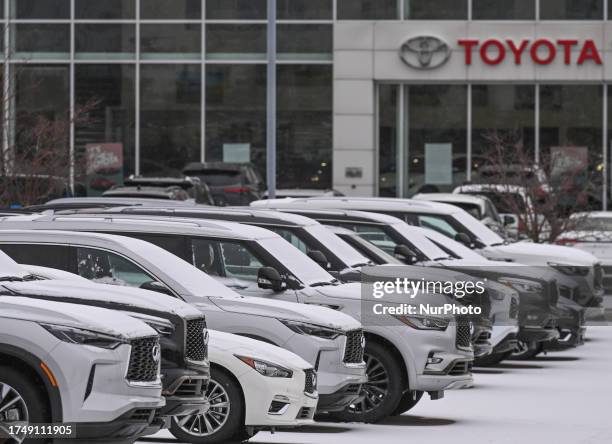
point(499, 188)
point(451, 197)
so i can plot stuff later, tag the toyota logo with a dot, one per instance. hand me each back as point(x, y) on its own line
point(156, 354)
point(425, 52)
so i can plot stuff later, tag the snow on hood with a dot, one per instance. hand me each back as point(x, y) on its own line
point(89, 291)
point(540, 254)
point(53, 273)
point(288, 311)
point(238, 345)
point(10, 268)
point(78, 316)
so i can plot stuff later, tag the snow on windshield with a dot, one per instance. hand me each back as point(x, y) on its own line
point(414, 236)
point(337, 246)
point(477, 228)
point(456, 247)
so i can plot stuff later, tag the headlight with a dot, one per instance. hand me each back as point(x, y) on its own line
point(83, 337)
point(522, 285)
point(312, 329)
point(570, 270)
point(424, 323)
point(266, 368)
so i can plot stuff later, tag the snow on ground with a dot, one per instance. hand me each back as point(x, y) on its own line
point(563, 398)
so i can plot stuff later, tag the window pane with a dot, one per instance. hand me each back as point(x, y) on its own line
point(503, 9)
point(108, 268)
point(170, 114)
point(41, 9)
point(436, 137)
point(387, 140)
point(236, 42)
point(105, 9)
point(500, 114)
point(570, 139)
point(104, 41)
point(171, 9)
point(236, 9)
point(305, 42)
point(304, 134)
point(171, 41)
point(368, 9)
point(436, 10)
point(42, 41)
point(571, 9)
point(106, 140)
point(305, 9)
point(236, 110)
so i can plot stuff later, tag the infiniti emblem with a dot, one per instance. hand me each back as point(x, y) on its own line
point(206, 337)
point(156, 354)
point(363, 342)
point(425, 52)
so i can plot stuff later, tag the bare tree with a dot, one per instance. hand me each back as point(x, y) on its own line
point(542, 195)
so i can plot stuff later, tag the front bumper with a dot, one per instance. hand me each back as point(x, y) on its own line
point(537, 334)
point(336, 402)
point(185, 395)
point(481, 341)
point(568, 338)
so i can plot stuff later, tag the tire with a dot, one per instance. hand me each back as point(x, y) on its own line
point(408, 401)
point(526, 351)
point(492, 359)
point(32, 405)
point(383, 391)
point(223, 422)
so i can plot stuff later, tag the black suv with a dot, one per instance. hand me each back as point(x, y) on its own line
point(230, 183)
point(166, 188)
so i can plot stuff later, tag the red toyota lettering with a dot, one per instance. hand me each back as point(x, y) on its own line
point(484, 52)
point(567, 49)
point(468, 44)
point(589, 52)
point(552, 52)
point(518, 51)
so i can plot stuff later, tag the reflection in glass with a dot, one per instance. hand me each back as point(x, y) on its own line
point(246, 42)
point(436, 10)
point(40, 9)
point(368, 9)
point(236, 111)
point(97, 41)
point(170, 116)
point(42, 41)
point(171, 9)
point(110, 129)
point(304, 134)
point(105, 10)
point(236, 9)
point(171, 41)
point(571, 9)
point(387, 140)
point(503, 9)
point(305, 9)
point(305, 42)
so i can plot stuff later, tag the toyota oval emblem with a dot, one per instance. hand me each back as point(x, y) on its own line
point(156, 354)
point(425, 52)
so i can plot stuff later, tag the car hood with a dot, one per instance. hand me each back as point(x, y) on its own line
point(126, 297)
point(288, 311)
point(539, 254)
point(238, 345)
point(78, 316)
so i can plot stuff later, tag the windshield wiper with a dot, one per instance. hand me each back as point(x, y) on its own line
point(364, 264)
point(325, 283)
point(12, 279)
point(447, 258)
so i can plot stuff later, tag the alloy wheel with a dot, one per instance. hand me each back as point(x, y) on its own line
point(211, 421)
point(13, 409)
point(375, 390)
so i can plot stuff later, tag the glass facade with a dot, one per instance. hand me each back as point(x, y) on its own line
point(503, 9)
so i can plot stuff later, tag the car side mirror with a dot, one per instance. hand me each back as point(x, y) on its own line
point(319, 257)
point(268, 278)
point(508, 220)
point(404, 253)
point(464, 239)
point(157, 287)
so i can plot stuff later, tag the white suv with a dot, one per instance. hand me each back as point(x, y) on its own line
point(90, 368)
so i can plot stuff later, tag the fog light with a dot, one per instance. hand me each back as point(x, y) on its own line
point(433, 360)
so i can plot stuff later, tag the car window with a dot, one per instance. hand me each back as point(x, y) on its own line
point(221, 177)
point(108, 268)
point(225, 258)
point(292, 238)
point(51, 256)
point(437, 224)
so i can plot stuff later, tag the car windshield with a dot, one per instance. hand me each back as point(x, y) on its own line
point(457, 249)
point(220, 177)
point(473, 209)
point(415, 236)
point(503, 202)
point(342, 250)
point(595, 224)
point(196, 282)
point(478, 229)
point(300, 265)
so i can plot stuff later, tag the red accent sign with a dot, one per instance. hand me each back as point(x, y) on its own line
point(540, 51)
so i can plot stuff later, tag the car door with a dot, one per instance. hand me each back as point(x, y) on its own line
point(235, 264)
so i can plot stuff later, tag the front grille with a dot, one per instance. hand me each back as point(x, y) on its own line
point(191, 387)
point(598, 277)
point(196, 348)
point(144, 360)
point(310, 386)
point(463, 339)
point(353, 352)
point(305, 413)
point(276, 407)
point(461, 368)
point(514, 308)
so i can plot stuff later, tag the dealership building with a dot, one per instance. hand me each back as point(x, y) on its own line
point(375, 97)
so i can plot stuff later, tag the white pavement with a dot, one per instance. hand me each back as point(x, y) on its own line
point(561, 398)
